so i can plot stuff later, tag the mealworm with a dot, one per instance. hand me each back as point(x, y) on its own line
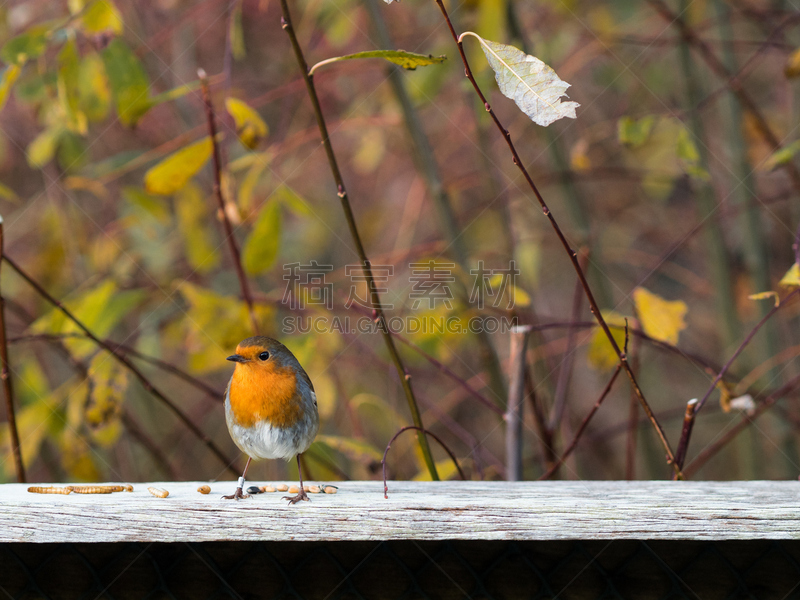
point(95, 489)
point(330, 489)
point(204, 489)
point(128, 488)
point(267, 488)
point(282, 487)
point(49, 490)
point(294, 490)
point(158, 492)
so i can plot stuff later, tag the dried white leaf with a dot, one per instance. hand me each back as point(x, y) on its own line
point(525, 79)
point(744, 403)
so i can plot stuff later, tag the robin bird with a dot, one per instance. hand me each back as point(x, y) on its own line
point(270, 406)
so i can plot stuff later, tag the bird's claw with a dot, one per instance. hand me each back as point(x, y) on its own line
point(237, 495)
point(301, 495)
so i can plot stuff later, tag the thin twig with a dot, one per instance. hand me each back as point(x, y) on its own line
point(711, 450)
point(687, 432)
point(223, 215)
point(573, 256)
point(404, 375)
point(582, 427)
point(8, 388)
point(423, 432)
point(163, 365)
point(229, 464)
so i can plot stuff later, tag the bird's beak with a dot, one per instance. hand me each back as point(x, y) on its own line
point(237, 358)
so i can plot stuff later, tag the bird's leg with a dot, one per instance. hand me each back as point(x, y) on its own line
point(301, 495)
point(239, 494)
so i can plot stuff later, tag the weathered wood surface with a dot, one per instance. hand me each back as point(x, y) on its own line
point(561, 510)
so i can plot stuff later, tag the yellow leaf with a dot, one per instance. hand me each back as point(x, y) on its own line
point(199, 241)
point(261, 247)
point(88, 185)
point(792, 277)
point(446, 469)
point(792, 68)
point(765, 295)
point(724, 396)
point(102, 16)
point(175, 171)
point(661, 319)
point(43, 147)
point(601, 352)
point(10, 75)
point(250, 127)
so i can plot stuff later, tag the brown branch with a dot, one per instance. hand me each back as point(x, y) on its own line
point(515, 404)
point(423, 432)
point(8, 388)
point(223, 215)
point(405, 376)
point(130, 366)
point(687, 431)
point(573, 255)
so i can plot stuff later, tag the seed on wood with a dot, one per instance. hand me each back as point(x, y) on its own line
point(204, 489)
point(49, 490)
point(282, 487)
point(330, 489)
point(311, 489)
point(267, 488)
point(254, 489)
point(158, 492)
point(95, 489)
point(294, 490)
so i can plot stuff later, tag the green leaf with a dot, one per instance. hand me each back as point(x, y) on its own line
point(10, 76)
point(292, 200)
point(250, 127)
point(94, 94)
point(193, 223)
point(531, 84)
point(25, 47)
point(6, 193)
point(102, 16)
point(261, 247)
point(175, 171)
point(129, 82)
point(634, 133)
point(72, 152)
point(407, 60)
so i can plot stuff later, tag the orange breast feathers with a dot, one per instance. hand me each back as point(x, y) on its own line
point(265, 394)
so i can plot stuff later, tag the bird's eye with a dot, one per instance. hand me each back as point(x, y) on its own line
point(264, 355)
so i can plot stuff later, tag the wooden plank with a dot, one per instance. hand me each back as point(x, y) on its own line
point(560, 510)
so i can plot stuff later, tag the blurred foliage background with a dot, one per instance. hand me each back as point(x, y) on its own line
point(664, 182)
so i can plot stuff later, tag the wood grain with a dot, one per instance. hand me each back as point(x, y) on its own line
point(558, 510)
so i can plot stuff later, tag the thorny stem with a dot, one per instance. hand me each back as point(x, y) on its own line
point(573, 256)
point(405, 376)
point(8, 388)
point(423, 432)
point(582, 427)
point(129, 365)
point(226, 223)
point(687, 431)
